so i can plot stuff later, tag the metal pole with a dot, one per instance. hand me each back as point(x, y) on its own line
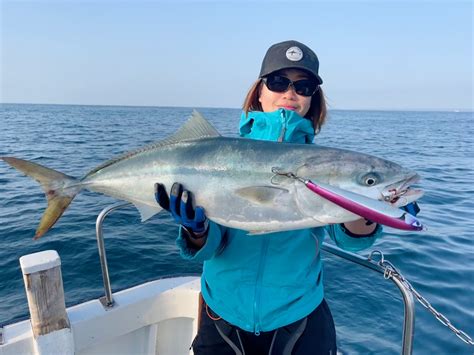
point(409, 318)
point(108, 300)
point(409, 303)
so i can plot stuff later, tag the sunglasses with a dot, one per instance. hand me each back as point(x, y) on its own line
point(278, 83)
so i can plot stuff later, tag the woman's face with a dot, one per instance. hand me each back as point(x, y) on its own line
point(290, 100)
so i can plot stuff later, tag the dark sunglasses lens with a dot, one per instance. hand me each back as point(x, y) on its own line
point(305, 87)
point(277, 83)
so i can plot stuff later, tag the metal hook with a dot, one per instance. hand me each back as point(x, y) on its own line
point(288, 174)
point(277, 171)
point(394, 195)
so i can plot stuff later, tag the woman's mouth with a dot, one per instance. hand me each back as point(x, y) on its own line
point(291, 108)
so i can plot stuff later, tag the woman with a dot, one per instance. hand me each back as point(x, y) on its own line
point(264, 294)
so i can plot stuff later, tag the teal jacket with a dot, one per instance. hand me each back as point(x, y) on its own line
point(264, 282)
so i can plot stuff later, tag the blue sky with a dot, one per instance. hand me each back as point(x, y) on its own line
point(374, 54)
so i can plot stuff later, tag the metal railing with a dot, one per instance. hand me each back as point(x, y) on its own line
point(107, 300)
point(408, 301)
point(409, 315)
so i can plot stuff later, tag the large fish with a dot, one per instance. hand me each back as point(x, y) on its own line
point(234, 179)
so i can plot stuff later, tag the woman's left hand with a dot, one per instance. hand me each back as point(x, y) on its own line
point(412, 208)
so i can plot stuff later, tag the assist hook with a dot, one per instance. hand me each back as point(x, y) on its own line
point(289, 174)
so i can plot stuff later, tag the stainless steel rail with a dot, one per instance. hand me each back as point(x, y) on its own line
point(107, 301)
point(409, 316)
point(409, 303)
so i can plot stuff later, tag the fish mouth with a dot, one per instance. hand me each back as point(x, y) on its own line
point(400, 193)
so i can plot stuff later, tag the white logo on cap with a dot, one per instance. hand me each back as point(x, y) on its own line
point(294, 54)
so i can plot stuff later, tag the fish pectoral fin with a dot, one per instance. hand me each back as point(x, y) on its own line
point(262, 195)
point(147, 211)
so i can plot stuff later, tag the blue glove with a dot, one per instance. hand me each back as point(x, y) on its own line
point(180, 204)
point(412, 208)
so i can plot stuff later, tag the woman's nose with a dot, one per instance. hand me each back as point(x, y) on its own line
point(290, 93)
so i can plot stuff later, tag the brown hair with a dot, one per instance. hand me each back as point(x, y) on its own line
point(317, 110)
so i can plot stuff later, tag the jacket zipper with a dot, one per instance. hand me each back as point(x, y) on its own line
point(258, 290)
point(283, 125)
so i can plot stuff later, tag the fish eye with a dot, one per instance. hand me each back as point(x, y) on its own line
point(371, 179)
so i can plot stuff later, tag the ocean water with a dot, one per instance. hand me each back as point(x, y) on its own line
point(367, 309)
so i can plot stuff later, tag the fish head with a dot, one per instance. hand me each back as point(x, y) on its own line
point(364, 174)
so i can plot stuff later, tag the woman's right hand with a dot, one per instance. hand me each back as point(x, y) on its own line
point(180, 204)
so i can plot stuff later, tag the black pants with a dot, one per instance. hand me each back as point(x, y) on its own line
point(314, 334)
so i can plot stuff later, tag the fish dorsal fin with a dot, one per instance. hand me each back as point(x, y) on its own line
point(197, 127)
point(194, 128)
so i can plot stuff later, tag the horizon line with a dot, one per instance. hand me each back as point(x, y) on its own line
point(464, 110)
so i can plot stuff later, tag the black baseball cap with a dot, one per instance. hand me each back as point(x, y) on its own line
point(290, 54)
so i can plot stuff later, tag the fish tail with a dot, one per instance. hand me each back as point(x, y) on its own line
point(60, 190)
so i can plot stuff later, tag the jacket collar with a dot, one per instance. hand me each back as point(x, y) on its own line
point(281, 125)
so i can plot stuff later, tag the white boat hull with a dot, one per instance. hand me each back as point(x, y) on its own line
point(158, 317)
